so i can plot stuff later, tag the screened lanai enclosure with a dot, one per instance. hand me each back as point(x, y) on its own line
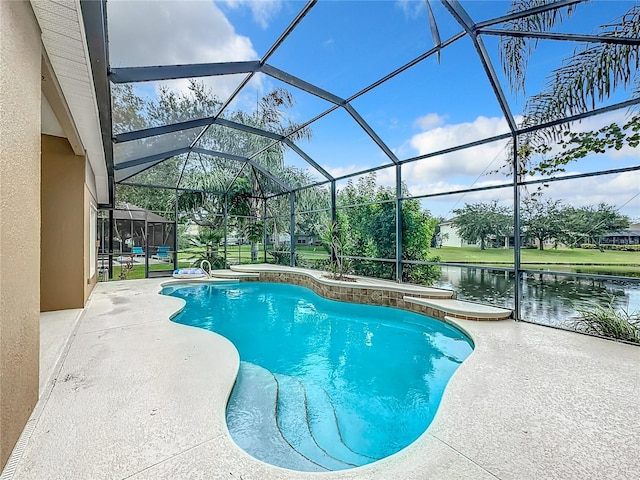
point(130, 236)
point(484, 147)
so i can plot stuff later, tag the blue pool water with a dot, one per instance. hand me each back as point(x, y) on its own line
point(325, 385)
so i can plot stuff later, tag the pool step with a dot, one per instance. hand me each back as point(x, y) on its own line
point(325, 427)
point(252, 423)
point(279, 420)
point(293, 419)
point(461, 309)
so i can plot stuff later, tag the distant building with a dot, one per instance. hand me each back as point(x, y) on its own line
point(193, 229)
point(283, 239)
point(630, 236)
point(449, 237)
point(304, 239)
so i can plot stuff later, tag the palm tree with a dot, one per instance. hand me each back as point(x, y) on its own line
point(220, 174)
point(271, 115)
point(592, 74)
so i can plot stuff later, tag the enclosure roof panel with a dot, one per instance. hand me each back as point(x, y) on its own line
point(127, 211)
point(328, 89)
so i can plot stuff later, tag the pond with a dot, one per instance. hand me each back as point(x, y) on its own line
point(550, 299)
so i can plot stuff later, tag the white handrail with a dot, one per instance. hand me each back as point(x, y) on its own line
point(202, 264)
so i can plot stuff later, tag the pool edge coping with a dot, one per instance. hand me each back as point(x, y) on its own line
point(385, 463)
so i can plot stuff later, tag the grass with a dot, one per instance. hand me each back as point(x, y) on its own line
point(137, 271)
point(577, 260)
point(572, 257)
point(575, 256)
point(570, 260)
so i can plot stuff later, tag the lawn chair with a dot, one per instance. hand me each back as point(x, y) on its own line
point(135, 251)
point(162, 254)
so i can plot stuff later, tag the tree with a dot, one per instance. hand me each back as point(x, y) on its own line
point(371, 223)
point(593, 73)
point(590, 223)
point(155, 199)
point(335, 238)
point(541, 219)
point(478, 222)
point(418, 230)
point(271, 114)
point(372, 230)
point(243, 184)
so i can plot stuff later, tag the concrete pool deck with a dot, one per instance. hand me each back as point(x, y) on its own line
point(132, 395)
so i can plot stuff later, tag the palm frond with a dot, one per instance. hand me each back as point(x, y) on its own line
point(592, 74)
point(435, 33)
point(516, 51)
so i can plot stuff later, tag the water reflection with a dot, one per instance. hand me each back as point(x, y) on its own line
point(547, 298)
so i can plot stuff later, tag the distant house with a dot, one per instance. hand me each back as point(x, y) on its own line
point(283, 239)
point(449, 237)
point(304, 239)
point(631, 236)
point(193, 229)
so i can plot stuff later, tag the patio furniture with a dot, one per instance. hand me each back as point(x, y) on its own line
point(162, 254)
point(135, 251)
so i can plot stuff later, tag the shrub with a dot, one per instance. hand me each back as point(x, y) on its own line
point(622, 248)
point(283, 256)
point(608, 322)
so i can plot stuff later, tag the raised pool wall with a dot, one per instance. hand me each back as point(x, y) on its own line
point(358, 293)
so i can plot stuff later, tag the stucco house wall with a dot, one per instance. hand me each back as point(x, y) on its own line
point(48, 191)
point(66, 205)
point(20, 75)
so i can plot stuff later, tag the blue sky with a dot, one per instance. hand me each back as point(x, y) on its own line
point(345, 46)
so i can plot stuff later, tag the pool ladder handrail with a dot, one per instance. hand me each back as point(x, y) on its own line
point(202, 264)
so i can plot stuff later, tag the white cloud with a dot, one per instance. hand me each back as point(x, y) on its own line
point(411, 8)
point(619, 190)
point(262, 10)
point(429, 121)
point(172, 32)
point(470, 162)
point(466, 168)
point(143, 33)
point(444, 187)
point(344, 170)
point(339, 171)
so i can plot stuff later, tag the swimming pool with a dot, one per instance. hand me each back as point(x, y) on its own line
point(324, 385)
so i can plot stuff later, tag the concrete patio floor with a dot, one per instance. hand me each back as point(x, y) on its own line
point(131, 395)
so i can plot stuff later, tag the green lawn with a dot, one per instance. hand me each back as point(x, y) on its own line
point(570, 260)
point(584, 261)
point(609, 262)
point(138, 270)
point(575, 256)
point(490, 256)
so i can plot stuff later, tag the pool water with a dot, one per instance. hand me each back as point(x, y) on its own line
point(325, 385)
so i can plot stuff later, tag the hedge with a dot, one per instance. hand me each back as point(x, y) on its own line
point(624, 248)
